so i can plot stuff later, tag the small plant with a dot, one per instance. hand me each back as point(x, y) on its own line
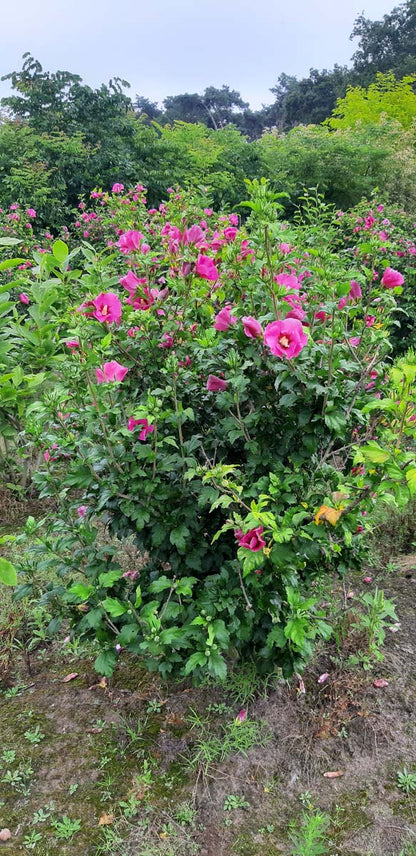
point(372, 624)
point(269, 829)
point(8, 756)
point(308, 839)
point(31, 840)
point(185, 814)
point(66, 828)
point(72, 788)
point(43, 814)
point(233, 802)
point(154, 706)
point(34, 736)
point(219, 709)
point(406, 781)
point(129, 806)
point(19, 779)
point(306, 799)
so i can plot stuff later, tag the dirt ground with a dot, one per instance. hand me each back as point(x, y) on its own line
point(105, 743)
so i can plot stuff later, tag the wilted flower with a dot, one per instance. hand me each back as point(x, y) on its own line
point(216, 384)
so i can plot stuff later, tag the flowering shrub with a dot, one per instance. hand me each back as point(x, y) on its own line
point(222, 396)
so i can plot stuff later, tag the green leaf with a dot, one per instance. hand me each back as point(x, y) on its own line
point(81, 591)
point(178, 537)
point(105, 663)
point(8, 573)
point(160, 585)
point(110, 577)
point(217, 665)
point(60, 251)
point(114, 607)
point(295, 631)
point(411, 480)
point(374, 453)
point(196, 659)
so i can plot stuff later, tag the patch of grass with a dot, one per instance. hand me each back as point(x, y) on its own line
point(309, 837)
point(212, 747)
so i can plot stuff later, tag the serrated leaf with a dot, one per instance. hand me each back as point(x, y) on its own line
point(105, 663)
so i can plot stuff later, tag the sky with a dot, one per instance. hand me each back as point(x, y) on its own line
point(166, 47)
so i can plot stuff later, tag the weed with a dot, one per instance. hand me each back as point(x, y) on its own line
point(210, 748)
point(219, 709)
point(8, 756)
point(154, 706)
point(43, 814)
point(31, 840)
point(72, 788)
point(66, 828)
point(269, 829)
point(185, 814)
point(34, 736)
point(233, 802)
point(406, 781)
point(19, 779)
point(245, 684)
point(309, 839)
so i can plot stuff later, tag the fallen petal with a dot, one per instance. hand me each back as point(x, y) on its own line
point(380, 683)
point(69, 677)
point(334, 774)
point(323, 678)
point(5, 834)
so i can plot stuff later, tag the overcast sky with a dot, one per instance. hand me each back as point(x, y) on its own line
point(164, 47)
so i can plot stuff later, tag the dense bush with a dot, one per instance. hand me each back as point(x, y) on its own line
point(232, 413)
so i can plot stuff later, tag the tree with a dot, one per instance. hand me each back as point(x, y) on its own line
point(215, 108)
point(386, 45)
point(386, 97)
point(309, 100)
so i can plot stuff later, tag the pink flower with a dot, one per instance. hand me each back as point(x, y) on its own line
point(285, 338)
point(47, 456)
point(354, 341)
point(224, 319)
point(167, 341)
point(233, 218)
point(147, 429)
point(131, 282)
point(194, 235)
point(24, 298)
point(208, 212)
point(216, 384)
point(241, 716)
point(117, 188)
point(82, 510)
point(392, 278)
point(252, 540)
point(290, 282)
point(72, 344)
point(112, 371)
point(284, 248)
point(252, 328)
point(320, 316)
point(107, 308)
point(130, 241)
point(230, 233)
point(355, 292)
point(369, 320)
point(297, 313)
point(323, 678)
point(205, 268)
point(31, 212)
point(367, 579)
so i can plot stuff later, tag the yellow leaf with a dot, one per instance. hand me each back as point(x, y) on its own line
point(304, 504)
point(163, 835)
point(325, 512)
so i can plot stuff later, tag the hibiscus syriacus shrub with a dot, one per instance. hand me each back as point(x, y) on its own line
point(225, 401)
